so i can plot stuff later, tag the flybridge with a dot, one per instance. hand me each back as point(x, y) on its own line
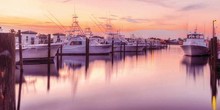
point(195, 35)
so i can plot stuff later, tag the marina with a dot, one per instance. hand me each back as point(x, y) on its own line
point(74, 85)
point(109, 55)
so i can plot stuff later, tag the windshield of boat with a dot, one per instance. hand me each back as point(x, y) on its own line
point(76, 43)
point(195, 36)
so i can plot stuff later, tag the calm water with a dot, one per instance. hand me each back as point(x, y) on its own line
point(158, 80)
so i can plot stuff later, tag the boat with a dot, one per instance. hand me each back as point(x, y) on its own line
point(195, 45)
point(40, 51)
point(35, 47)
point(120, 42)
point(77, 45)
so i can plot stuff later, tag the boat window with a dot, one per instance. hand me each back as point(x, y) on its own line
point(26, 38)
point(76, 43)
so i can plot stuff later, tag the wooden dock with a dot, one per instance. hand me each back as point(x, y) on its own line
point(7, 71)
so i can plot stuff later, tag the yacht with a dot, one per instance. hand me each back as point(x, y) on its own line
point(120, 41)
point(40, 51)
point(33, 48)
point(195, 45)
point(77, 45)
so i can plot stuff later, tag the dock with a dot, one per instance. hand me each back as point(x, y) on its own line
point(7, 71)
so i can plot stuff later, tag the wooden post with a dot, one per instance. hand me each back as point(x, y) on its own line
point(87, 53)
point(210, 47)
point(136, 47)
point(215, 48)
point(124, 49)
point(113, 50)
point(121, 47)
point(21, 69)
point(58, 61)
point(7, 71)
point(48, 63)
point(61, 56)
point(145, 46)
point(113, 46)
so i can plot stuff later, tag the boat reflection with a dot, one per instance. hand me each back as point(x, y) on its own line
point(194, 65)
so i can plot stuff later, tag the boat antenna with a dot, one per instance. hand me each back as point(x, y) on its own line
point(97, 22)
point(56, 20)
point(196, 28)
point(204, 31)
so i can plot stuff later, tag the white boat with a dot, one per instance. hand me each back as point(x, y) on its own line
point(98, 39)
point(77, 45)
point(119, 43)
point(39, 51)
point(195, 45)
point(17, 58)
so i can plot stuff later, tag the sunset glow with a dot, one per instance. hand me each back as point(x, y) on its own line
point(47, 16)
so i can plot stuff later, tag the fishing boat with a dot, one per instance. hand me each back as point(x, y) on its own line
point(195, 45)
point(40, 51)
point(120, 42)
point(77, 45)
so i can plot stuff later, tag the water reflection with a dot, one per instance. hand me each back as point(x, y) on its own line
point(143, 81)
point(194, 65)
point(214, 82)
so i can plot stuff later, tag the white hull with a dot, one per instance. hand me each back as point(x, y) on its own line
point(16, 55)
point(99, 49)
point(38, 52)
point(128, 48)
point(192, 50)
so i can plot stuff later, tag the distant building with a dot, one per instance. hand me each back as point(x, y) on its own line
point(59, 37)
point(28, 37)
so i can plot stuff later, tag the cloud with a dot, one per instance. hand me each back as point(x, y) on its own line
point(65, 1)
point(114, 16)
point(48, 22)
point(106, 18)
point(192, 7)
point(163, 3)
point(133, 20)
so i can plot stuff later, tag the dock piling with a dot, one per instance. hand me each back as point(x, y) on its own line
point(136, 47)
point(113, 50)
point(61, 56)
point(48, 63)
point(21, 69)
point(7, 71)
point(87, 53)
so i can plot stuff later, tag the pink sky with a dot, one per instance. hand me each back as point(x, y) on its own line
point(126, 15)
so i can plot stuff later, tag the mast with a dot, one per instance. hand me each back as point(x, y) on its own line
point(76, 29)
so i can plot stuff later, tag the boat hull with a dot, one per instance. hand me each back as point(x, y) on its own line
point(128, 48)
point(39, 52)
point(191, 50)
point(96, 50)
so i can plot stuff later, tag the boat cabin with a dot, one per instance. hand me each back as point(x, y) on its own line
point(195, 36)
point(59, 37)
point(76, 41)
point(29, 37)
point(99, 39)
point(42, 39)
point(81, 41)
